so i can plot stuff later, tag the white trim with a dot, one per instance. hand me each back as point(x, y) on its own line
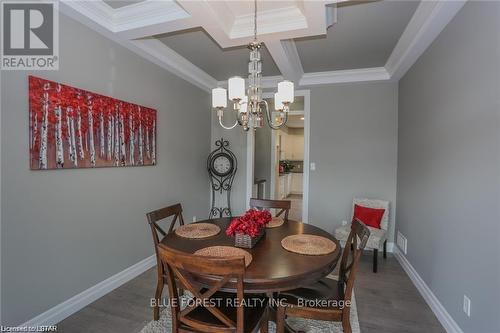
point(305, 177)
point(429, 20)
point(151, 49)
point(345, 76)
point(307, 140)
point(442, 315)
point(269, 22)
point(286, 57)
point(149, 12)
point(154, 17)
point(77, 302)
point(167, 58)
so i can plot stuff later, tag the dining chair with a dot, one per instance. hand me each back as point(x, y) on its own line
point(283, 206)
point(329, 299)
point(378, 237)
point(173, 214)
point(212, 309)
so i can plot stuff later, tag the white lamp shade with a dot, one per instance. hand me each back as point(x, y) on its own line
point(285, 89)
point(219, 98)
point(244, 104)
point(236, 87)
point(278, 102)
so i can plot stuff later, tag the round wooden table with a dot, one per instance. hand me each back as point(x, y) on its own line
point(273, 268)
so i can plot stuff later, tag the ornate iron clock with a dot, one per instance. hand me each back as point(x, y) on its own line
point(221, 166)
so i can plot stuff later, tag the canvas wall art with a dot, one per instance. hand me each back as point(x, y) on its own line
point(75, 128)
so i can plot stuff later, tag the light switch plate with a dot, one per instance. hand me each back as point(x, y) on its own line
point(466, 305)
point(313, 166)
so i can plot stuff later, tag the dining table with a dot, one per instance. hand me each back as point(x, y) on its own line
point(272, 268)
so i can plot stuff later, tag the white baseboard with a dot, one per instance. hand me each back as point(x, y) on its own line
point(390, 247)
point(442, 315)
point(77, 302)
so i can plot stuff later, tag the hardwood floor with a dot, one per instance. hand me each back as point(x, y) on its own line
point(387, 302)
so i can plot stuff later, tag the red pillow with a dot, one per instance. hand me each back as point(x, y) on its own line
point(369, 216)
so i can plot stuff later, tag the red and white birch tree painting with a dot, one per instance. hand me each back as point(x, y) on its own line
point(75, 128)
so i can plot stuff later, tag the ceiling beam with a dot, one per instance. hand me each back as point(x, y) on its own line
point(429, 20)
point(93, 15)
point(287, 59)
point(170, 60)
point(345, 76)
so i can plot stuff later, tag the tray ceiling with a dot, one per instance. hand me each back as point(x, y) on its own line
point(199, 48)
point(363, 37)
point(308, 42)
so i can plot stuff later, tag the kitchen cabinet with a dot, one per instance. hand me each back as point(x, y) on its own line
point(285, 185)
point(296, 186)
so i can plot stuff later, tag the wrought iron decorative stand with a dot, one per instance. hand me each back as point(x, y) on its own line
point(221, 183)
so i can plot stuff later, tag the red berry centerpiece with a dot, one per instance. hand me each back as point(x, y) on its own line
point(249, 228)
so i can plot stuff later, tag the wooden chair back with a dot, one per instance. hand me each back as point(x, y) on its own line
point(353, 250)
point(283, 206)
point(170, 214)
point(183, 267)
point(174, 213)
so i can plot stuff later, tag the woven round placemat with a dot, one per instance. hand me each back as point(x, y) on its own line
point(224, 252)
point(275, 222)
point(308, 244)
point(197, 230)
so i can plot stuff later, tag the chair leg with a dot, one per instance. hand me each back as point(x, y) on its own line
point(385, 249)
point(375, 257)
point(264, 325)
point(346, 323)
point(159, 291)
point(280, 319)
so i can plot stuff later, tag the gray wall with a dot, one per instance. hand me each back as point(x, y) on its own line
point(238, 145)
point(449, 166)
point(63, 231)
point(354, 145)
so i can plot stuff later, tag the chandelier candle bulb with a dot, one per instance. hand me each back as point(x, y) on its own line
point(285, 90)
point(244, 104)
point(236, 88)
point(219, 98)
point(278, 102)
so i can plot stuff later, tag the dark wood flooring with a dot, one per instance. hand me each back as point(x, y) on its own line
point(387, 302)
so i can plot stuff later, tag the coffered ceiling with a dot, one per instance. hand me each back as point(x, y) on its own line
point(120, 3)
point(308, 42)
point(363, 37)
point(199, 48)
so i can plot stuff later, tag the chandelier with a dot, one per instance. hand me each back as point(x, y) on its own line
point(250, 108)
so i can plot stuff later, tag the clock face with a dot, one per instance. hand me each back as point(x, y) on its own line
point(222, 164)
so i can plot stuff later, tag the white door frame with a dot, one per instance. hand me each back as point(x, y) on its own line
point(251, 148)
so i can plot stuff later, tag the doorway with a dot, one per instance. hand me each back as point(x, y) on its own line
point(278, 160)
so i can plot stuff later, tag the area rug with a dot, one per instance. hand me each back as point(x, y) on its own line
point(164, 324)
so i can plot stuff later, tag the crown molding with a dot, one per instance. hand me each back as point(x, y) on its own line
point(146, 13)
point(286, 57)
point(96, 11)
point(345, 76)
point(429, 20)
point(269, 21)
point(89, 13)
point(153, 17)
point(170, 60)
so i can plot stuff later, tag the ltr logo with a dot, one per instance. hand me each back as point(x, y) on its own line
point(29, 39)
